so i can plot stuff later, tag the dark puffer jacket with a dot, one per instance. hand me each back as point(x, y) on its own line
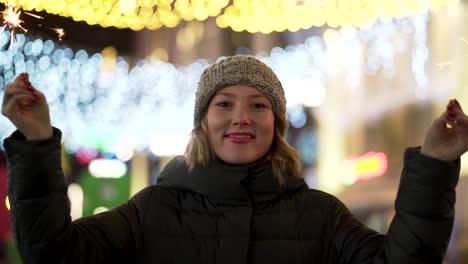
point(223, 214)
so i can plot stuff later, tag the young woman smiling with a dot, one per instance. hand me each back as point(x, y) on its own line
point(236, 196)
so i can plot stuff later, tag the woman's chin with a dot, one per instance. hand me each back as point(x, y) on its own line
point(238, 160)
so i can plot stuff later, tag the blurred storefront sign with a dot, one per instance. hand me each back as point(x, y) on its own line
point(363, 168)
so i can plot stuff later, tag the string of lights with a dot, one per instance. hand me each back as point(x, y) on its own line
point(251, 15)
point(100, 100)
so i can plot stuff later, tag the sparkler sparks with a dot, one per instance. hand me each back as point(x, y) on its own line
point(464, 41)
point(33, 15)
point(12, 19)
point(442, 65)
point(60, 32)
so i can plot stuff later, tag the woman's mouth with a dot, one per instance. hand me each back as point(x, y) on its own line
point(239, 137)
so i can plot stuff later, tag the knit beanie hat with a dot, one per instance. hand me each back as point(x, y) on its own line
point(238, 70)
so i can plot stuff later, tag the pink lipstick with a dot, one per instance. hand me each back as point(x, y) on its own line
point(239, 137)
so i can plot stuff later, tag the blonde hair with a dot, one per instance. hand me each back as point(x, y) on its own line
point(284, 158)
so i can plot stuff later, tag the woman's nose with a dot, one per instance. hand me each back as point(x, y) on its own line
point(240, 116)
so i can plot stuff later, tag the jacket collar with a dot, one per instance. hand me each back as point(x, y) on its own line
point(227, 184)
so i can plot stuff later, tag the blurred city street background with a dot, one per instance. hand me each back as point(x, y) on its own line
point(363, 80)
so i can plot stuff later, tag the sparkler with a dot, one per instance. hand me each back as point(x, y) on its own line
point(60, 32)
point(442, 65)
point(12, 19)
point(464, 41)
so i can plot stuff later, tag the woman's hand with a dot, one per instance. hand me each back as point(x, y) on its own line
point(447, 139)
point(27, 109)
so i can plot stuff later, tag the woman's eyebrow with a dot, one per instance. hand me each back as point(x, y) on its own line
point(232, 95)
point(224, 94)
point(257, 96)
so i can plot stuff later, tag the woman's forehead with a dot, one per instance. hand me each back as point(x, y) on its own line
point(240, 91)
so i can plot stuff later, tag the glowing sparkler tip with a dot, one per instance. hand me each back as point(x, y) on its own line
point(60, 32)
point(442, 65)
point(464, 41)
point(11, 19)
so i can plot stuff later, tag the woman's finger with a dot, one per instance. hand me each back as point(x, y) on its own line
point(440, 122)
point(455, 115)
point(461, 121)
point(18, 88)
point(12, 90)
point(19, 100)
point(21, 80)
point(454, 108)
point(24, 76)
point(19, 83)
point(457, 104)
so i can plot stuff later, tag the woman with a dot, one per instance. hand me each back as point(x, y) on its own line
point(235, 197)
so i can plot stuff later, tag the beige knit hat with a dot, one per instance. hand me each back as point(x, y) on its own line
point(238, 70)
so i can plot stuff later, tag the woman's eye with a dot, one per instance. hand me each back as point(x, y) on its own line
point(222, 104)
point(258, 106)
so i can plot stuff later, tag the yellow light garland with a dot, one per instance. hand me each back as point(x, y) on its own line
point(252, 15)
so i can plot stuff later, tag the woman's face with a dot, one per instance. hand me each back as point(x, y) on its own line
point(240, 123)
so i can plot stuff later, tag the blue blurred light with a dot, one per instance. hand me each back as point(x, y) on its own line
point(9, 75)
point(4, 38)
point(68, 53)
point(29, 67)
point(140, 100)
point(307, 145)
point(43, 63)
point(297, 116)
point(36, 48)
point(57, 56)
point(28, 49)
point(243, 50)
point(20, 39)
point(48, 47)
point(81, 56)
point(64, 65)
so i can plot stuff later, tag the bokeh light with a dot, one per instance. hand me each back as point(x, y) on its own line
point(100, 209)
point(262, 16)
point(107, 168)
point(75, 194)
point(114, 100)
